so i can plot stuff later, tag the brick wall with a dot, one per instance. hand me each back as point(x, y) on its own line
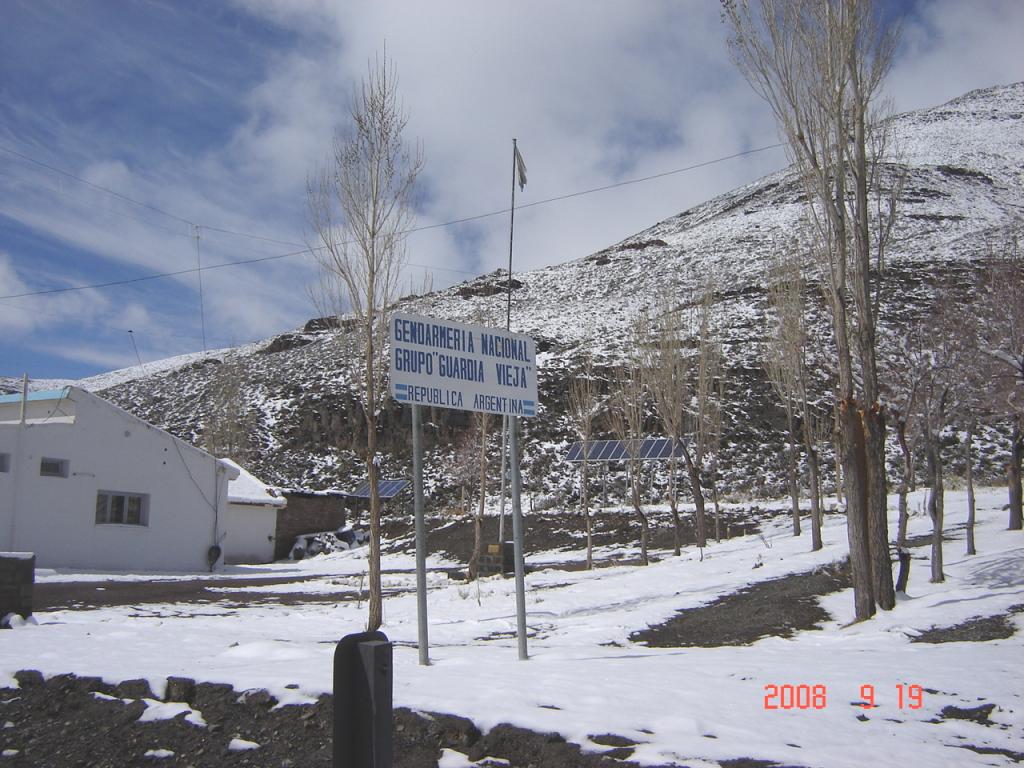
point(17, 578)
point(306, 513)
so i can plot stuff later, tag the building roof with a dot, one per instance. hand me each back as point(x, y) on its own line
point(49, 394)
point(246, 489)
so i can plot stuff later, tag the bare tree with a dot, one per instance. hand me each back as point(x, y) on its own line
point(666, 374)
point(783, 352)
point(480, 423)
point(584, 404)
point(717, 430)
point(786, 364)
point(943, 364)
point(626, 416)
point(360, 208)
point(1002, 340)
point(905, 380)
point(230, 426)
point(820, 65)
point(700, 416)
point(684, 386)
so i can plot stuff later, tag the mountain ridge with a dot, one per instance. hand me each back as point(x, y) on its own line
point(961, 194)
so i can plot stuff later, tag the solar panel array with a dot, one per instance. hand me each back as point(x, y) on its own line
point(388, 489)
point(648, 449)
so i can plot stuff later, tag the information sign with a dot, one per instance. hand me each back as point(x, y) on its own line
point(468, 367)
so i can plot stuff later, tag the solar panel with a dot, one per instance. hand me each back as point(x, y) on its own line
point(387, 489)
point(648, 449)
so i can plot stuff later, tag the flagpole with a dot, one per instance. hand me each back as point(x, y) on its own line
point(511, 229)
point(518, 174)
point(508, 327)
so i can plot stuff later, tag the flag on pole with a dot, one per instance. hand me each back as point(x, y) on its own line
point(520, 169)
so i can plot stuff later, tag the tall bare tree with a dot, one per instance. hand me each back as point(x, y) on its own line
point(626, 416)
point(716, 434)
point(360, 207)
point(783, 353)
point(1002, 340)
point(786, 363)
point(480, 422)
point(700, 415)
point(230, 427)
point(584, 403)
point(667, 376)
point(819, 64)
point(906, 379)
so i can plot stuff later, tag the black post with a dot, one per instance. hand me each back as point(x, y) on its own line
point(362, 701)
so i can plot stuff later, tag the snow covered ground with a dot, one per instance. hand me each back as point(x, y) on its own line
point(584, 677)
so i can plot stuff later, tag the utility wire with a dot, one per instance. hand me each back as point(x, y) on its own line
point(79, 179)
point(139, 203)
point(309, 250)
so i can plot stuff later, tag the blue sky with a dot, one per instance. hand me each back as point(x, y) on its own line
point(214, 114)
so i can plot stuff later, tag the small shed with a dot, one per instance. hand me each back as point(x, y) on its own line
point(308, 511)
point(250, 521)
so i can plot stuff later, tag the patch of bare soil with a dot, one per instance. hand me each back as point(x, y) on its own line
point(72, 595)
point(777, 607)
point(545, 531)
point(980, 630)
point(70, 721)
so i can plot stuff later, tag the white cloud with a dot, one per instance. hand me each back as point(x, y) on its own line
point(595, 93)
point(951, 47)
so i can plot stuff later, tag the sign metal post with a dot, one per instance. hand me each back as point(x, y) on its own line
point(421, 536)
point(447, 364)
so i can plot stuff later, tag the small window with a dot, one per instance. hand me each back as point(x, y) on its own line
point(5, 462)
point(117, 508)
point(53, 467)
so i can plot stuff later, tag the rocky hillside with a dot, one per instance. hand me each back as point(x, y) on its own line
point(964, 174)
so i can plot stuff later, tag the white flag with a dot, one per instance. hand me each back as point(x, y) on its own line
point(520, 169)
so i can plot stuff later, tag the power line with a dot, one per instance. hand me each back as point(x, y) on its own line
point(140, 203)
point(101, 188)
point(309, 250)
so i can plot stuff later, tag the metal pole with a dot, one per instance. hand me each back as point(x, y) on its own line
point(504, 479)
point(511, 229)
point(517, 535)
point(421, 535)
point(508, 327)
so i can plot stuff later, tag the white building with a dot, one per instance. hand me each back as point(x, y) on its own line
point(251, 520)
point(85, 484)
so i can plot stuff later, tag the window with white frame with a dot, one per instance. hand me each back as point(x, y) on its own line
point(53, 467)
point(117, 508)
point(5, 462)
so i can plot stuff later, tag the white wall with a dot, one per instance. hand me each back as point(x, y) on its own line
point(108, 449)
point(249, 533)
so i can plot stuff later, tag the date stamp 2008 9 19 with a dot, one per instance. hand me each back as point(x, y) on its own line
point(802, 696)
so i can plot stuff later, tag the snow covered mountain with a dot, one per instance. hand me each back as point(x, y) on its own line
point(964, 176)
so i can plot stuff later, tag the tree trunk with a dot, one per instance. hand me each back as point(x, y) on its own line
point(837, 452)
point(935, 505)
point(635, 494)
point(673, 503)
point(854, 466)
point(905, 480)
point(815, 478)
point(794, 483)
point(698, 500)
point(375, 602)
point(1013, 475)
point(969, 449)
point(714, 498)
point(904, 576)
point(585, 502)
point(878, 508)
point(478, 521)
